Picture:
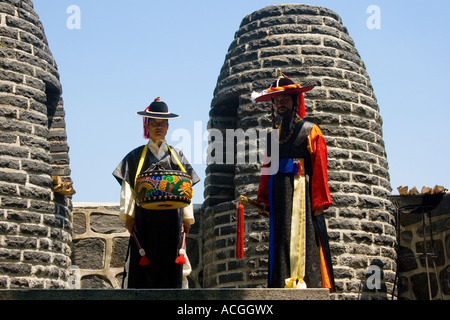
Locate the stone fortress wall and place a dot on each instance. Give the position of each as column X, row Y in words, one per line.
column 47, row 242
column 100, row 243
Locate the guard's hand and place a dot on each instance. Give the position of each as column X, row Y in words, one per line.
column 318, row 211
column 185, row 227
column 130, row 224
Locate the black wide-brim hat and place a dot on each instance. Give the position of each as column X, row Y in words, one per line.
column 157, row 110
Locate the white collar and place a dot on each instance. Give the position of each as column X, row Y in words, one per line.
column 158, row 151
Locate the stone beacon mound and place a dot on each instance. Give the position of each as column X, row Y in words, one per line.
column 312, row 46
column 35, row 183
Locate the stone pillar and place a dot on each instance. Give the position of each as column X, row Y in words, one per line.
column 312, row 46
column 35, row 221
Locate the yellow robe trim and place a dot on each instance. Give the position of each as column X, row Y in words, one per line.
column 141, row 163
column 298, row 233
column 142, row 159
column 176, row 159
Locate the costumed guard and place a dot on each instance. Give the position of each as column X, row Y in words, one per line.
column 155, row 205
column 296, row 195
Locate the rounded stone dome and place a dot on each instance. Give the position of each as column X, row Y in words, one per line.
column 35, row 191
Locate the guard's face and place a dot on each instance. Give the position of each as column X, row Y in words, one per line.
column 157, row 128
column 283, row 104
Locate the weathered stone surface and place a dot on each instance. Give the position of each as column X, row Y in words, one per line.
column 119, row 251
column 31, row 120
column 105, row 223
column 168, row 294
column 95, row 282
column 89, row 253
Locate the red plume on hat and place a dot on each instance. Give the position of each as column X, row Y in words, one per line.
column 283, row 85
column 145, row 120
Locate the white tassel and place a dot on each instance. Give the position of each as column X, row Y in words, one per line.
column 255, row 95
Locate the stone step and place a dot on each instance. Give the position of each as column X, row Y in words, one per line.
column 165, row 294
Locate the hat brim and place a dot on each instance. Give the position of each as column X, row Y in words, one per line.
column 157, row 115
column 267, row 96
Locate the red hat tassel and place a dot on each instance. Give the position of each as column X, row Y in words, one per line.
column 301, row 107
column 182, row 258
column 240, row 232
column 144, row 261
column 146, row 133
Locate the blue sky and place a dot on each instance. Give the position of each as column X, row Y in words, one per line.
column 126, row 53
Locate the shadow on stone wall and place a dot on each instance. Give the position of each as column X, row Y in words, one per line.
column 424, row 251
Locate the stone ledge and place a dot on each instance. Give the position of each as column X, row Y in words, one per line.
column 95, row 204
column 165, row 294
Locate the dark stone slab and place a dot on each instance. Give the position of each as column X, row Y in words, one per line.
column 166, row 294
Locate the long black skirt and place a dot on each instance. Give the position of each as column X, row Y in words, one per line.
column 159, row 233
column 282, row 217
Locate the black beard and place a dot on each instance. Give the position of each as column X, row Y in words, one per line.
column 285, row 127
column 285, row 114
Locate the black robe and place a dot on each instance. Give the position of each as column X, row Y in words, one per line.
column 282, row 196
column 158, row 231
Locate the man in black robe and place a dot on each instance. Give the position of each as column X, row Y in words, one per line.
column 297, row 194
column 158, row 232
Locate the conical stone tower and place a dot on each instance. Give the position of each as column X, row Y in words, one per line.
column 35, row 211
column 312, row 46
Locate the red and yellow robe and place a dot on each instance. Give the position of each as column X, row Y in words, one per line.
column 298, row 251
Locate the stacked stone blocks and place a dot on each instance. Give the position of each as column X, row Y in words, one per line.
column 99, row 245
column 35, row 222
